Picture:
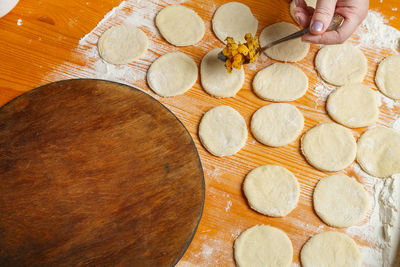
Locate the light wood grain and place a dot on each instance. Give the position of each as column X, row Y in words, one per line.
column 44, row 49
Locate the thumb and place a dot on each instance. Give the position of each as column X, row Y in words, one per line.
column 322, row 16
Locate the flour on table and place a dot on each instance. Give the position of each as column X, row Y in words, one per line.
column 382, row 230
column 375, row 33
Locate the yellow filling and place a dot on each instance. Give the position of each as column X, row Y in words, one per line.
column 238, row 54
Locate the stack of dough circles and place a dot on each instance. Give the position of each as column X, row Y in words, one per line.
column 388, row 77
column 172, row 74
column 291, row 51
column 223, row 131
column 341, row 64
column 234, row 19
column 354, row 106
column 180, row 26
column 271, row 190
column 330, row 249
column 340, row 201
column 280, row 82
column 277, row 124
column 122, row 44
column 310, row 3
column 378, row 152
column 263, row 245
column 329, row 147
column 216, row 80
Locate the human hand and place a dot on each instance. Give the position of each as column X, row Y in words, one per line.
column 354, row 12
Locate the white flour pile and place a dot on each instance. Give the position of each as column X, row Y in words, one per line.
column 375, row 33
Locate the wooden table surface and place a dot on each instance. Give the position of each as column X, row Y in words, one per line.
column 40, row 42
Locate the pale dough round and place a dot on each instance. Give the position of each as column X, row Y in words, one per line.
column 340, row 201
column 263, row 245
column 234, row 19
column 216, row 80
column 353, row 106
column 330, row 249
column 277, row 124
column 291, row 51
column 310, row 3
column 122, row 44
column 341, row 64
column 180, row 26
column 271, row 190
column 172, row 74
column 388, row 76
column 379, row 152
column 329, row 147
column 280, row 82
column 223, row 131
column 6, row 6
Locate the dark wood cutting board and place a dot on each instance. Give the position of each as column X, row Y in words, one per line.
column 95, row 173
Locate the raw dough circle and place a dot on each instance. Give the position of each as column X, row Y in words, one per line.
column 341, row 64
column 329, row 147
column 271, row 190
column 379, row 152
column 122, row 44
column 172, row 74
column 388, row 76
column 277, row 124
column 330, row 249
column 216, row 80
column 223, row 131
column 7, row 6
column 340, row 201
column 180, row 26
column 292, row 51
column 310, row 3
column 280, row 82
column 234, row 19
column 263, row 245
column 353, row 106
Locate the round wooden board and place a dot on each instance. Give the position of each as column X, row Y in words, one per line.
column 95, row 172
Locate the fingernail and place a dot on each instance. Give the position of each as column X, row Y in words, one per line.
column 296, row 2
column 317, row 26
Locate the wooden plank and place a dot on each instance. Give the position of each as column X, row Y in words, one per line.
column 39, row 51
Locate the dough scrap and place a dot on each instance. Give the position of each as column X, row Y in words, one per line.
column 353, row 106
column 280, row 82
column 340, row 201
column 216, row 80
column 329, row 147
column 223, row 131
column 330, row 249
column 122, row 44
column 277, row 124
column 172, row 74
column 388, row 77
column 341, row 64
column 180, row 26
column 379, row 152
column 271, row 190
column 289, row 51
column 310, row 3
column 234, row 19
column 263, row 245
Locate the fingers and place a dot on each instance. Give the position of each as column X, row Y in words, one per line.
column 302, row 17
column 322, row 16
column 335, row 37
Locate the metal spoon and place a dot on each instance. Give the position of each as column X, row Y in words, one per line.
column 335, row 24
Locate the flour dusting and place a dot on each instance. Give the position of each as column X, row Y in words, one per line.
column 374, row 32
